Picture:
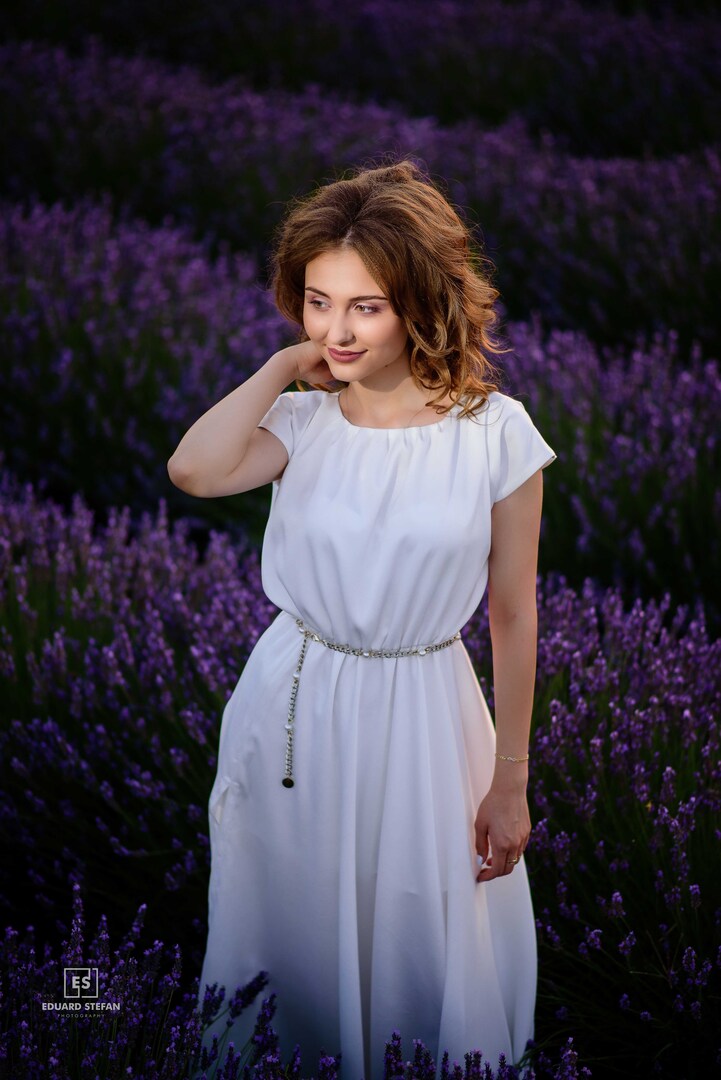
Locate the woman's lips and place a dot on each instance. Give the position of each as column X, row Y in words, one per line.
column 344, row 357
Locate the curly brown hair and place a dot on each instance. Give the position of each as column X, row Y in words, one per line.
column 418, row 249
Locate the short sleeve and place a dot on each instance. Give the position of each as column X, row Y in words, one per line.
column 279, row 420
column 289, row 415
column 521, row 449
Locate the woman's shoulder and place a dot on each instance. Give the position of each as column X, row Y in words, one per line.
column 290, row 415
column 516, row 447
column 497, row 407
column 305, row 401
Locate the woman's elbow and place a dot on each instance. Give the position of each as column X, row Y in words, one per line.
column 179, row 476
column 513, row 609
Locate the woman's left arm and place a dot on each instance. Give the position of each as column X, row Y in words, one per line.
column 503, row 819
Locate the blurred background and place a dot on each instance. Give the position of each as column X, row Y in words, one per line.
column 149, row 152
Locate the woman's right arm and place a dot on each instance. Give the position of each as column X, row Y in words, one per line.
column 225, row 452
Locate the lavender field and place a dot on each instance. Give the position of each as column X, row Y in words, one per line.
column 148, row 157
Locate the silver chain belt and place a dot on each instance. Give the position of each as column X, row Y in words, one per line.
column 311, row 635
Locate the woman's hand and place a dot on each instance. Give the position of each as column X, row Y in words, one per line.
column 504, row 823
column 305, row 362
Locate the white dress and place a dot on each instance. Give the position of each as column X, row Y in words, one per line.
column 355, row 889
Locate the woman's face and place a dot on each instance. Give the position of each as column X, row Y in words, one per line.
column 347, row 315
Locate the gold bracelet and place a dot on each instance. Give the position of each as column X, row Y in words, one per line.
column 504, row 757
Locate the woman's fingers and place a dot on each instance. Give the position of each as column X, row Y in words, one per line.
column 494, row 867
column 499, row 844
column 499, row 866
column 511, row 860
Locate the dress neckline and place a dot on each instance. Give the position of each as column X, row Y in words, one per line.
column 411, row 427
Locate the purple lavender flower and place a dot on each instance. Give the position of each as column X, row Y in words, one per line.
column 598, row 243
column 268, row 46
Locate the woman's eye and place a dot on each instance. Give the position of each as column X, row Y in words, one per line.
column 322, row 305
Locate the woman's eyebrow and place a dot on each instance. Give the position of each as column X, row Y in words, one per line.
column 353, row 299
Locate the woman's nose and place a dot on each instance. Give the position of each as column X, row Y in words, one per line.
column 339, row 332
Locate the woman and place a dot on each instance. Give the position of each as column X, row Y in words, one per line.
column 367, row 829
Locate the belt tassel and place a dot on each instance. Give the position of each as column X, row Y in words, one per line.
column 311, row 635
